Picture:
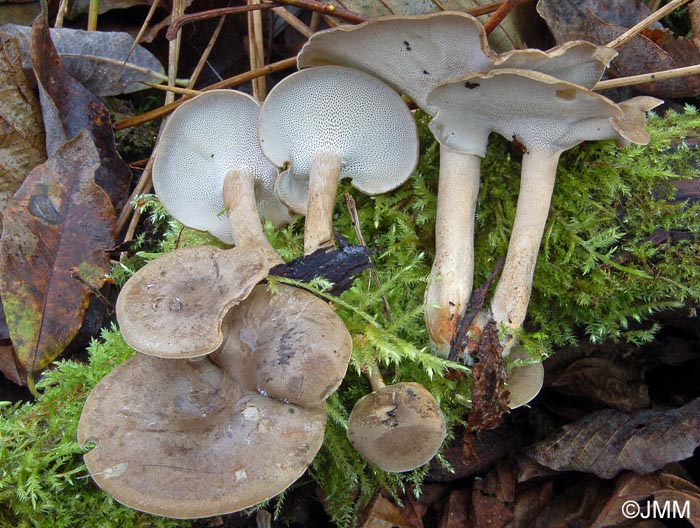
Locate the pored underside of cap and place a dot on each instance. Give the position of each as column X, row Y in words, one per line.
column 202, row 140
column 335, row 109
column 179, row 438
column 173, row 307
column 576, row 61
column 413, row 54
column 543, row 113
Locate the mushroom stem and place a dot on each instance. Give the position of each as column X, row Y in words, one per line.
column 323, row 185
column 512, row 294
column 239, row 199
column 453, row 268
column 374, row 376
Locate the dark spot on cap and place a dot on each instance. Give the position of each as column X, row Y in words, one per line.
column 470, row 85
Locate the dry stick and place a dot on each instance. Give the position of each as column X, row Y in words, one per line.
column 256, row 49
column 92, row 15
column 500, row 14
column 174, row 89
column 648, row 77
column 226, row 83
column 315, row 21
column 62, row 8
column 142, row 30
column 205, row 55
column 694, row 14
column 177, row 23
column 355, row 219
column 648, row 21
column 293, row 21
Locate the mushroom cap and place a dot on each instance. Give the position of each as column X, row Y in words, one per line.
column 413, row 54
column 397, row 428
column 178, row 438
column 189, row 439
column 524, row 381
column 543, row 113
column 202, row 140
column 576, row 61
column 174, row 306
column 337, row 110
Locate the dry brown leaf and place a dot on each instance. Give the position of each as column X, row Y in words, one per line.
column 608, row 442
column 21, row 129
column 604, row 381
column 96, row 58
column 651, row 493
column 52, row 253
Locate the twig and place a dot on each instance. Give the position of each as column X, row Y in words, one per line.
column 174, row 89
column 207, row 51
column 143, row 186
column 142, row 31
column 226, row 83
column 92, row 15
column 256, row 49
column 500, row 14
column 648, row 21
column 62, row 9
column 461, row 338
column 293, row 21
column 355, row 219
column 648, row 77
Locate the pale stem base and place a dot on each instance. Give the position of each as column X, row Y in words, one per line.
column 323, row 185
column 512, row 294
column 239, row 199
column 452, row 274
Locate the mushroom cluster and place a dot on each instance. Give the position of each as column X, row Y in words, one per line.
column 541, row 99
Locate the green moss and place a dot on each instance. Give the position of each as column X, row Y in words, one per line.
column 599, row 277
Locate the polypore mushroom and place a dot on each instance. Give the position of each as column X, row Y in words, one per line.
column 174, row 306
column 396, row 427
column 547, row 116
column 414, row 54
column 202, row 140
column 188, row 439
column 329, row 123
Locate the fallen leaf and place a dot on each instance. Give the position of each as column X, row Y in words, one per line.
column 21, row 130
column 69, row 108
column 52, row 253
column 601, row 21
column 608, row 442
column 652, row 494
column 8, row 360
column 604, row 381
column 456, row 511
column 532, row 505
column 382, row 513
column 96, row 58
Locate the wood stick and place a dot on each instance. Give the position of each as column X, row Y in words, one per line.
column 648, row 21
column 648, row 77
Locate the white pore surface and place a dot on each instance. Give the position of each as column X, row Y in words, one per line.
column 335, row 109
column 203, row 139
column 412, row 55
column 541, row 112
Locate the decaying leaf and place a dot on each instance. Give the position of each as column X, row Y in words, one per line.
column 68, row 108
column 665, row 490
column 381, row 512
column 52, row 252
column 654, row 50
column 21, row 130
column 608, row 442
column 604, row 381
column 96, row 58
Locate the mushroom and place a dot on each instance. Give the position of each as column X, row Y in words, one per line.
column 547, row 116
column 396, row 427
column 202, row 140
column 525, row 378
column 174, row 306
column 414, row 54
column 329, row 123
column 196, row 438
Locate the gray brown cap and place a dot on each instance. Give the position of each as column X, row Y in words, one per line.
column 188, row 439
column 398, row 427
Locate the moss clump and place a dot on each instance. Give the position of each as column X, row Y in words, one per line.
column 603, row 271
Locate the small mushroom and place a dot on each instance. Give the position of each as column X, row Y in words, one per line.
column 414, row 54
column 328, row 123
column 202, row 140
column 547, row 116
column 396, row 427
column 174, row 306
column 197, row 438
column 525, row 378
